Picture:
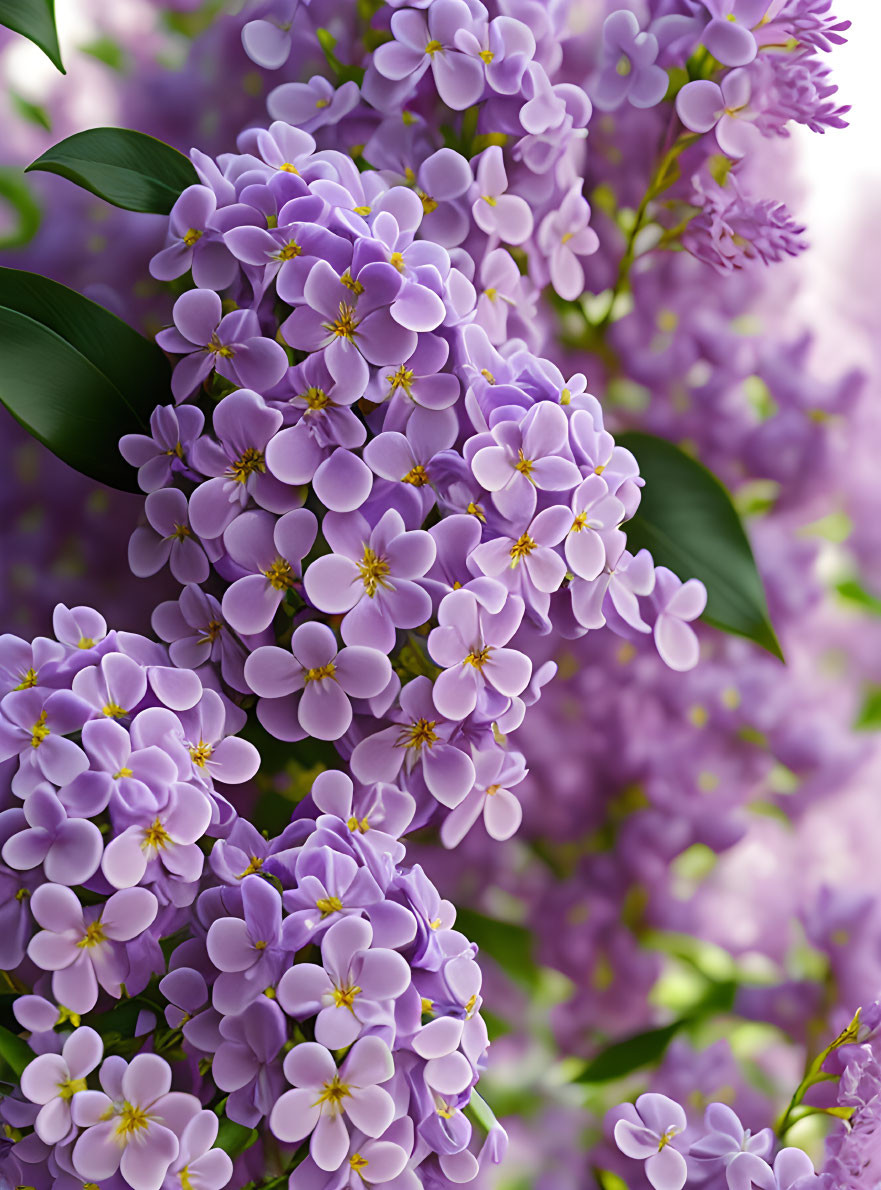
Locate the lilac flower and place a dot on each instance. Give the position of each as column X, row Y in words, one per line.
column 494, row 771
column 630, row 72
column 420, row 42
column 731, row 230
column 114, row 687
column 563, row 236
column 167, row 538
column 442, row 180
column 268, row 41
column 370, row 1162
column 325, row 1096
column 271, row 552
column 128, row 1126
column 703, row 105
column 409, row 458
column 499, row 214
column 52, row 1080
column 83, row 947
column 529, row 563
column 417, row 737
column 503, row 291
column 245, row 1062
column 166, row 841
column 676, row 604
column 231, row 343
column 314, row 104
column 505, row 46
column 423, row 266
column 349, row 319
column 469, row 645
column 419, row 389
column 194, row 244
column 792, row 1170
column 36, row 723
column 595, row 513
column 165, row 451
column 306, row 691
column 615, row 590
column 69, row 849
column 649, row 1132
column 197, row 1161
column 247, row 950
column 132, row 777
column 243, row 425
column 370, row 576
column 729, row 36
column 280, row 147
column 518, row 458
column 353, row 990
column 197, row 634
column 726, row 1140
column 212, row 751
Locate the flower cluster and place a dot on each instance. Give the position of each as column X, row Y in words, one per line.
column 312, row 959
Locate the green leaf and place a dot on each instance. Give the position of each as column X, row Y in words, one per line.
column 126, row 168
column 508, row 944
column 623, row 1057
column 234, row 1138
column 14, row 1051
column 35, row 20
column 687, row 520
column 75, row 376
column 16, row 194
column 869, row 717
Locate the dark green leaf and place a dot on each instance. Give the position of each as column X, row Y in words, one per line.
column 852, row 591
column 623, row 1057
column 14, row 1051
column 15, row 193
column 35, row 20
column 75, row 376
column 124, row 167
column 508, row 944
column 688, row 522
column 869, row 717
column 234, row 1138
column 32, row 112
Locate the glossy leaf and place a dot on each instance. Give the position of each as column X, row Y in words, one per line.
column 126, row 168
column 35, row 20
column 75, row 376
column 508, row 944
column 686, row 519
column 14, row 1051
column 623, row 1057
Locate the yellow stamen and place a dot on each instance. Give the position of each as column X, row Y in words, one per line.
column 346, row 325
column 417, row 476
column 374, row 571
column 491, row 293
column 123, row 772
column 316, row 399
column 522, row 548
column 70, row 1086
column 250, row 461
column 93, row 936
column 322, row 672
column 347, row 279
column 333, row 1095
column 429, row 204
column 328, row 905
column 523, row 465
column 470, row 1006
column 475, row 510
column 397, row 259
column 489, row 200
column 215, row 347
column 201, row 754
column 478, row 658
column 417, row 735
column 403, row 378
column 132, row 1120
column 28, row 680
column 487, row 56
column 345, row 997
column 358, row 1163
column 287, row 168
column 253, row 867
column 39, row 731
column 114, row 711
column 155, row 836
column 86, row 642
column 181, row 532
column 192, row 237
column 579, row 523
column 358, row 824
column 210, row 632
column 487, row 375
column 66, row 1015
column 434, row 47
column 279, row 575
column 362, row 211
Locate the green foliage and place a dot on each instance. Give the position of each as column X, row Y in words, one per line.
column 35, row 20
column 687, row 520
column 15, row 1052
column 126, row 168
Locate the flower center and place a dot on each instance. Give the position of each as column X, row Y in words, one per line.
column 287, row 168
column 28, row 680
column 69, row 1087
column 475, row 510
column 403, row 378
column 523, row 465
column 623, row 66
column 333, row 1094
column 358, row 1163
column 667, row 1136
column 347, row 279
column 132, row 1120
column 486, row 56
column 579, row 523
column 487, row 375
column 181, row 532
column 478, row 658
column 192, row 237
column 434, row 47
column 491, row 293
column 86, row 642
column 93, row 936
column 123, row 772
column 316, row 398
column 522, row 548
column 358, row 824
column 211, row 632
column 345, row 997
column 155, row 836
column 250, row 461
column 39, row 731
column 328, row 905
column 345, row 326
column 374, row 571
column 417, row 475
column 215, row 347
column 290, row 251
column 114, row 711
column 429, row 204
column 320, row 672
column 397, row 259
column 253, row 867
column 419, row 734
column 201, row 754
column 489, row 199
column 279, row 575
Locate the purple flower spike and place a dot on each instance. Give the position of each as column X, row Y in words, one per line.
column 677, row 603
column 469, row 645
column 420, row 43
column 82, row 947
column 164, row 453
column 194, row 244
column 370, row 577
column 516, row 459
column 325, row 1096
column 272, row 552
column 630, row 72
column 650, row 1132
column 232, row 344
column 306, row 691
column 354, row 990
column 703, row 105
column 53, row 1080
column 168, row 538
column 506, row 216
column 68, row 848
column 130, row 1127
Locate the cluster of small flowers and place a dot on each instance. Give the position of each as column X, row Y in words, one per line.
column 400, row 411
column 272, row 962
